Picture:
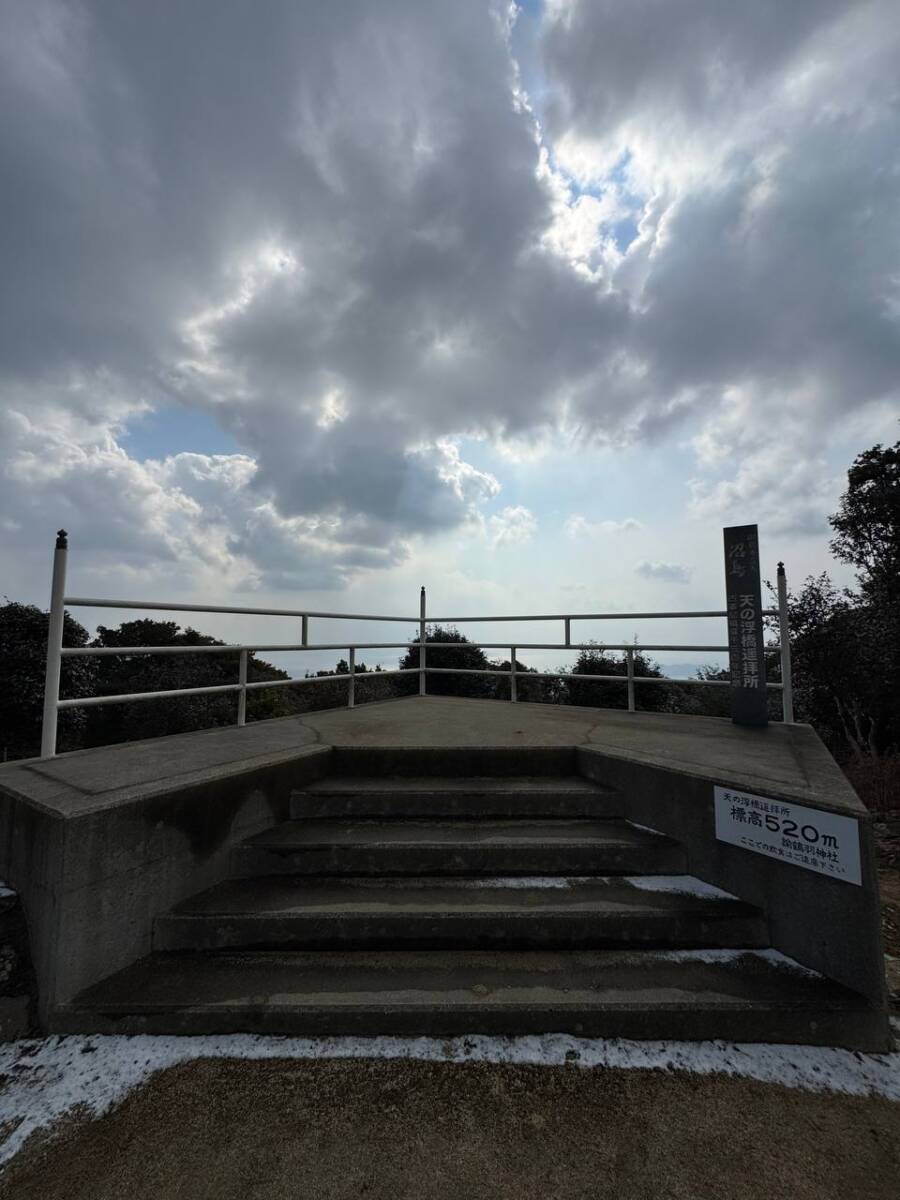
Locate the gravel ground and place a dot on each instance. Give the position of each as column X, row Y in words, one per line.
column 403, row 1129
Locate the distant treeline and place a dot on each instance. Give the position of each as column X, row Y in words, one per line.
column 23, row 643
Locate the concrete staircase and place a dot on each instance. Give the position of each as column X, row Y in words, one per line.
column 405, row 897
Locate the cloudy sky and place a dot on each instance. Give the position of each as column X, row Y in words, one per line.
column 310, row 304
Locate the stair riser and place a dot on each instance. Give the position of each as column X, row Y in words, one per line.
column 476, row 860
column 453, row 760
column 430, row 932
column 680, row 1023
column 467, row 805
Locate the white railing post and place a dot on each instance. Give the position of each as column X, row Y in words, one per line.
column 422, row 642
column 351, row 688
column 784, row 638
column 54, row 646
column 629, row 661
column 242, row 694
column 513, row 690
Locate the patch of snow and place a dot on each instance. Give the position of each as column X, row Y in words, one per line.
column 523, row 881
column 48, row 1078
column 775, row 957
column 685, row 885
column 788, row 964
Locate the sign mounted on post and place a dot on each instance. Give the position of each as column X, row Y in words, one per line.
column 746, row 652
column 802, row 837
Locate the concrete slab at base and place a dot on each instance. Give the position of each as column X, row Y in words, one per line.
column 733, row 995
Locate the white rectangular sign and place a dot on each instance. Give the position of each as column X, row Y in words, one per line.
column 804, row 837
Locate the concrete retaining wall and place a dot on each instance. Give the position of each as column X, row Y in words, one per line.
column 92, row 883
column 826, row 924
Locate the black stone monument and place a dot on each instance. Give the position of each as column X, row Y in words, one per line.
column 746, row 651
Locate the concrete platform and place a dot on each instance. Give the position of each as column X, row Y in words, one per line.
column 102, row 843
column 787, row 759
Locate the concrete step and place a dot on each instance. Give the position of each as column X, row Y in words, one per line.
column 742, row 996
column 283, row 912
column 384, row 761
column 455, row 796
column 457, row 847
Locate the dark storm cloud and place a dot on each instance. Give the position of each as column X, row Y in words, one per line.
column 257, row 209
column 327, row 226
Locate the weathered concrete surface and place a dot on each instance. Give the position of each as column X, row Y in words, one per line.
column 522, row 846
column 101, row 841
column 789, row 757
column 14, row 1017
column 88, row 780
column 437, row 912
column 734, row 995
column 827, row 924
column 479, row 796
column 94, row 869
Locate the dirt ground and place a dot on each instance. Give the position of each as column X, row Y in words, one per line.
column 395, row 1130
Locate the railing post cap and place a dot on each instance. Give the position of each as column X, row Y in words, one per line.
column 781, row 568
column 62, row 540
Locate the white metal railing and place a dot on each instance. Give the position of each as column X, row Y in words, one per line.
column 56, row 651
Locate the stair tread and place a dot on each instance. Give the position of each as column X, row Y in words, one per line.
column 476, row 981
column 596, row 896
column 306, row 834
column 488, row 784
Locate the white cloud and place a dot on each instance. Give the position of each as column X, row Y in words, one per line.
column 512, row 526
column 576, row 526
column 173, row 520
column 758, row 148
column 360, row 260
column 665, row 571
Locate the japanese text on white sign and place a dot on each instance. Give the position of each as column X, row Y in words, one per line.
column 804, row 837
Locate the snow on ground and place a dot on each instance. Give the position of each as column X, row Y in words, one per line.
column 728, row 957
column 45, row 1079
column 518, row 881
column 686, row 885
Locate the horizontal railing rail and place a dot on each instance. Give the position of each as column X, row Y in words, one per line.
column 56, row 652
column 232, row 647
column 164, row 606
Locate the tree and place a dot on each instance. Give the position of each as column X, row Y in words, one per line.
column 23, row 659
column 531, row 685
column 461, row 655
column 596, row 660
column 867, row 524
column 709, row 701
column 372, row 684
column 128, row 673
column 841, row 670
